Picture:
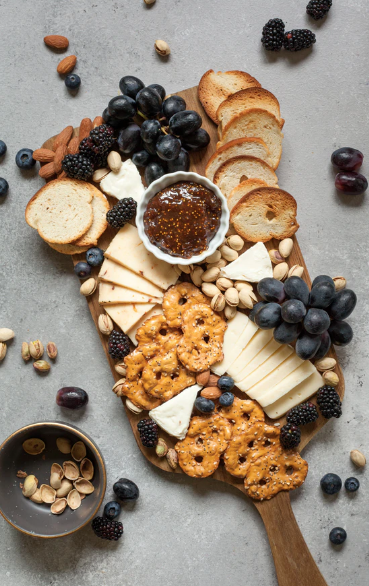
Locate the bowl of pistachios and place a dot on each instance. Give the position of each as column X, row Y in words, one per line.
column 52, row 479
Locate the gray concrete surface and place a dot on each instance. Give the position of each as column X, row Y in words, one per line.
column 181, row 531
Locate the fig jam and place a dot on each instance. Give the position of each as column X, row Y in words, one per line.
column 182, row 219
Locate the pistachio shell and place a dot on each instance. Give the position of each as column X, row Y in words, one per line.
column 78, row 451
column 223, row 283
column 210, row 275
column 74, row 499
column 64, row 445
column 339, row 283
column 55, row 480
column 218, row 265
column 99, row 174
column 325, row 364
column 36, row 497
column 245, row 298
column 196, row 275
column 84, row 486
column 71, row 470
column 296, row 271
column 6, row 334
column 29, row 485
column 275, row 256
column 285, row 247
column 87, row 469
column 65, row 488
column 132, row 407
column 48, row 493
column 242, row 285
column 33, row 446
column 331, row 378
column 209, row 289
column 214, row 257
column 232, row 297
column 228, row 253
column 218, row 302
column 280, row 271
column 57, row 469
column 358, row 458
column 120, row 367
column 235, row 242
column 59, row 506
column 186, row 268
column 230, row 312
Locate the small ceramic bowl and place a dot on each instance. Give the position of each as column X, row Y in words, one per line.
column 35, row 519
column 160, row 184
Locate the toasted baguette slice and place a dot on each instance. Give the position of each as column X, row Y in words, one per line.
column 253, row 97
column 241, row 168
column 265, row 213
column 61, row 211
column 255, row 147
column 68, row 248
column 256, row 123
column 100, row 207
column 214, row 88
column 242, row 189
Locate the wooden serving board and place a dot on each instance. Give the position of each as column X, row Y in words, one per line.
column 293, row 561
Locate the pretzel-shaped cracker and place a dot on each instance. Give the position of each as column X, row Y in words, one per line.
column 178, row 299
column 254, row 442
column 155, row 330
column 278, row 470
column 241, row 413
column 203, row 334
column 164, row 376
column 207, row 438
column 133, row 387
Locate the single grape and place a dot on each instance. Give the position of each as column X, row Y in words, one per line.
column 150, row 130
column 173, row 105
column 316, row 321
column 152, row 172
column 351, row 183
column 322, row 279
column 271, row 290
column 307, row 345
column 159, row 89
column 347, row 159
column 340, row 332
column 181, row 163
column 111, row 120
column 322, row 294
column 130, row 85
column 148, row 102
column 185, row 122
column 168, row 147
column 129, row 138
column 325, row 344
column 268, row 316
column 296, row 288
column 197, row 140
column 71, row 398
column 293, row 311
column 150, row 148
column 141, row 158
column 287, row 333
column 343, row 304
column 122, row 107
column 256, row 308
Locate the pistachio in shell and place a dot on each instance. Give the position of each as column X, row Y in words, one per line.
column 78, row 451
column 33, row 446
column 29, row 486
column 70, row 470
column 48, row 493
column 36, row 497
column 59, row 506
column 84, row 486
column 74, row 499
column 87, row 469
column 65, row 488
column 64, row 445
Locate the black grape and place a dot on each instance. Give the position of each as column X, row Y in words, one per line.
column 343, row 304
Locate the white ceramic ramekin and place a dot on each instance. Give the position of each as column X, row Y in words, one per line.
column 160, row 184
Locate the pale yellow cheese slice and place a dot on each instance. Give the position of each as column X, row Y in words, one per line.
column 239, row 332
column 112, row 272
column 255, row 345
column 131, row 333
column 287, row 384
column 264, row 369
column 127, row 249
column 297, row 395
column 259, row 359
column 127, row 315
column 110, row 294
column 275, row 377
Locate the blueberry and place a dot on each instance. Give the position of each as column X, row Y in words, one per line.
column 337, row 536
column 225, row 383
column 331, row 483
column 2, row 148
column 24, row 159
column 226, row 399
column 126, row 490
column 204, row 405
column 4, row 186
column 352, row 484
column 72, row 81
column 111, row 510
column 95, row 256
column 82, row 270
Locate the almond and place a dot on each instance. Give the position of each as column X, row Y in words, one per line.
column 203, row 377
column 84, row 128
column 67, row 64
column 63, row 137
column 62, row 175
column 47, row 171
column 56, row 41
column 98, row 121
column 213, row 380
column 59, row 156
column 211, row 393
column 73, row 145
column 43, row 155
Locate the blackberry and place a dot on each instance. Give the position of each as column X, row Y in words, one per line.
column 273, row 35
column 317, row 9
column 329, row 402
column 78, row 167
column 298, row 39
column 122, row 212
column 290, row 436
column 106, row 529
column 103, row 137
column 149, row 432
column 118, row 345
column 89, row 149
column 303, row 414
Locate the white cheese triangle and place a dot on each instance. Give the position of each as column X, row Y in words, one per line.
column 126, row 183
column 253, row 265
column 174, row 415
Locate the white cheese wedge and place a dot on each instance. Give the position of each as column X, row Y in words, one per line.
column 128, row 250
column 112, row 272
column 126, row 183
column 287, row 384
column 174, row 416
column 265, row 368
column 240, row 330
column 253, row 265
column 131, row 333
column 275, row 377
column 128, row 314
column 110, row 294
column 255, row 345
column 298, row 395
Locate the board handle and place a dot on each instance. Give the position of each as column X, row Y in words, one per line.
column 293, row 561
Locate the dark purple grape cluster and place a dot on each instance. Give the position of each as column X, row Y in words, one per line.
column 168, row 131
column 313, row 319
column 348, row 180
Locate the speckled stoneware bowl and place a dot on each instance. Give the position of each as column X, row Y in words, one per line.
column 160, row 184
column 34, row 519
